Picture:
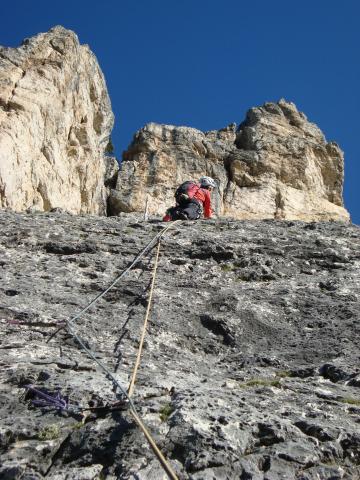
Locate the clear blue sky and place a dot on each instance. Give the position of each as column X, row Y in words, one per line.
column 204, row 63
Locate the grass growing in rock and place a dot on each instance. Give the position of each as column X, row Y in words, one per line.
column 50, row 432
column 77, row 425
column 227, row 267
column 261, row 382
column 350, row 401
column 166, row 411
column 243, row 278
column 283, row 374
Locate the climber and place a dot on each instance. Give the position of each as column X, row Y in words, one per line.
column 191, row 200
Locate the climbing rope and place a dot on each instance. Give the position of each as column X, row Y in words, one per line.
column 149, row 438
column 69, row 324
column 117, row 279
column 137, row 363
column 166, row 466
column 164, row 463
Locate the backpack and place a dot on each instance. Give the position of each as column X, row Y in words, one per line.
column 182, row 192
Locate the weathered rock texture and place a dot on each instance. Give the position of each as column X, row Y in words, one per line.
column 251, row 362
column 55, row 121
column 276, row 165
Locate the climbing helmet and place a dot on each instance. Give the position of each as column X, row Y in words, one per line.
column 207, row 182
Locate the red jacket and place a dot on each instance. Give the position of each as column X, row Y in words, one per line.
column 203, row 196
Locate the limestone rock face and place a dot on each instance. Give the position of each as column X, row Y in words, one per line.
column 250, row 367
column 275, row 165
column 55, row 121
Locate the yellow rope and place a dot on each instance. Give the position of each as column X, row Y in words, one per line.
column 138, row 358
column 164, row 463
column 69, row 324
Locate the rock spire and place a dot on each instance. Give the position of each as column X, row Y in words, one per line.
column 55, row 122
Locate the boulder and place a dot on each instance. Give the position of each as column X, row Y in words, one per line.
column 55, row 122
column 275, row 165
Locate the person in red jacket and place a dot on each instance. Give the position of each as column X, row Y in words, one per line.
column 192, row 199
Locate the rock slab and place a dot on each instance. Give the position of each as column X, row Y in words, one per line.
column 55, row 122
column 251, row 362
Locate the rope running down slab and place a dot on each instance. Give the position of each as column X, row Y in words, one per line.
column 137, row 363
column 117, row 279
column 133, row 411
column 161, row 458
column 70, row 324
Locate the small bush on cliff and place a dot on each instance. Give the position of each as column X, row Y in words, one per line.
column 166, row 411
column 261, row 382
column 350, row 401
column 50, row 432
column 109, row 150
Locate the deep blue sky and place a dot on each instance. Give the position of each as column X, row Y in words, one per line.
column 204, row 63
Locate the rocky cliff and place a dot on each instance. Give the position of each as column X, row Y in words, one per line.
column 251, row 363
column 275, row 165
column 55, row 121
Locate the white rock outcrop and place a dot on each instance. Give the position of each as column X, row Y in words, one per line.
column 275, row 165
column 55, row 122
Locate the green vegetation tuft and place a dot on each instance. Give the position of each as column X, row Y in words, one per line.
column 50, row 432
column 283, row 374
column 166, row 411
column 261, row 382
column 77, row 425
column 109, row 150
column 243, row 278
column 227, row 267
column 350, row 401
